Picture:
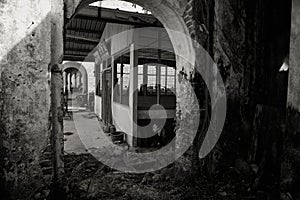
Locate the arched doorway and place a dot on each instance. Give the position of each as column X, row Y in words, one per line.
column 171, row 15
column 75, row 85
column 176, row 18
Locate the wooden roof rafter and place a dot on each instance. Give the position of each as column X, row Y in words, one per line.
column 84, row 30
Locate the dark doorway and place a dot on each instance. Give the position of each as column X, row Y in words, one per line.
column 107, row 87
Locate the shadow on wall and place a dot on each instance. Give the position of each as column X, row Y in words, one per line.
column 24, row 114
column 25, row 97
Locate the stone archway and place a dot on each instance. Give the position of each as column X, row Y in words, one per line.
column 81, row 70
column 176, row 16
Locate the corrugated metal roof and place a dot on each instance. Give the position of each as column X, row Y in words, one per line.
column 81, row 37
column 83, row 32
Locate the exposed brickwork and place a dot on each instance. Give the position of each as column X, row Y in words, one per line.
column 188, row 18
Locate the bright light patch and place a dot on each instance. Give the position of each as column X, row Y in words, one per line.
column 121, row 5
column 284, row 67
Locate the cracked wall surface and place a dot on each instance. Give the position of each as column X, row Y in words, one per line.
column 25, row 43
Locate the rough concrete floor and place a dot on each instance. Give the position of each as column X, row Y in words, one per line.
column 83, row 132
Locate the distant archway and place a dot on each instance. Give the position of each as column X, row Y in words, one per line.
column 82, row 71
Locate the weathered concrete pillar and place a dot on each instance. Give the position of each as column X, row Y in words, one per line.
column 291, row 158
column 57, row 135
column 57, row 26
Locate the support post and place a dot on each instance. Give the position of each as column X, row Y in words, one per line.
column 133, row 101
column 57, row 131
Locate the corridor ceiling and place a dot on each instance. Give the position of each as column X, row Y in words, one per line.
column 83, row 31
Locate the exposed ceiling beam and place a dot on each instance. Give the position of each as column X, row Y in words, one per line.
column 72, row 57
column 82, row 38
column 81, row 41
column 79, row 50
column 98, row 32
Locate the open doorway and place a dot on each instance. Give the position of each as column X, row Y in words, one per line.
column 90, row 39
column 132, row 76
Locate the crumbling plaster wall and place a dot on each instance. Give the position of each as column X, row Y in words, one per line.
column 27, row 46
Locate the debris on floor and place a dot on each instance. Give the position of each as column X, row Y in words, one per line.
column 89, row 179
